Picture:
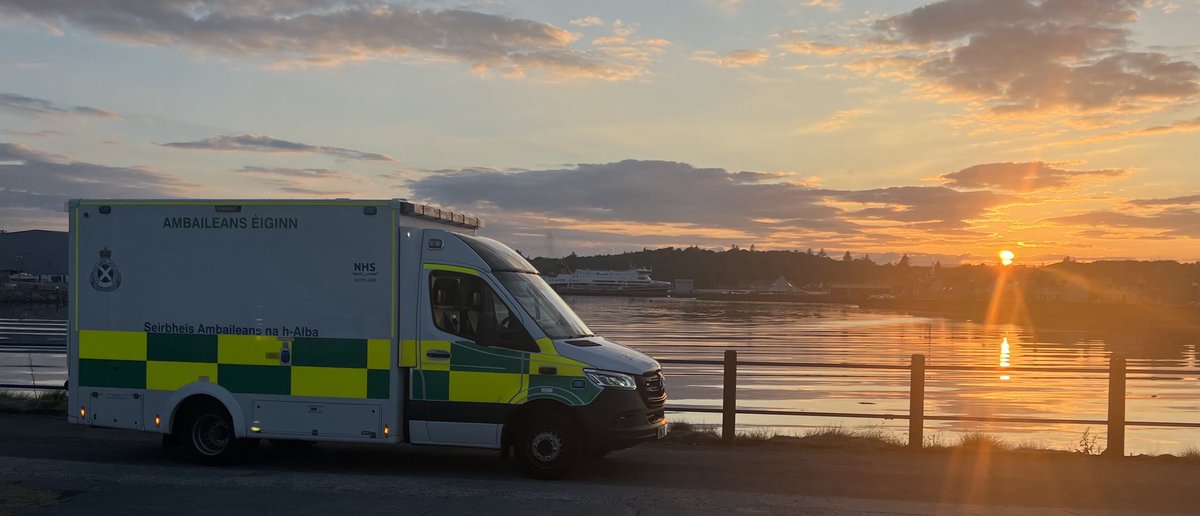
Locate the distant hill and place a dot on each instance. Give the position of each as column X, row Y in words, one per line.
column 35, row 251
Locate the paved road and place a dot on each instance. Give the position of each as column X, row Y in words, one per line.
column 33, row 335
column 32, row 351
column 79, row 470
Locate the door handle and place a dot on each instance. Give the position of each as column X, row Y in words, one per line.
column 437, row 354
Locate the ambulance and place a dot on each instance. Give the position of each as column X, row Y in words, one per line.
column 218, row 323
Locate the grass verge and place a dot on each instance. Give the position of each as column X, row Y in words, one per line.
column 16, row 496
column 49, row 402
column 876, row 439
column 829, row 437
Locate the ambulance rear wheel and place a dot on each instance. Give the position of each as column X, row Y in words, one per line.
column 549, row 444
column 210, row 436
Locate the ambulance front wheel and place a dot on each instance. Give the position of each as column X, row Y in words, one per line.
column 210, row 436
column 549, row 444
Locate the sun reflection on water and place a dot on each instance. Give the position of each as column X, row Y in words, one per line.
column 1004, row 357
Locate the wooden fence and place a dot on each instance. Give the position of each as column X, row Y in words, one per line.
column 916, row 416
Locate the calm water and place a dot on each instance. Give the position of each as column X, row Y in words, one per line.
column 690, row 329
column 681, row 328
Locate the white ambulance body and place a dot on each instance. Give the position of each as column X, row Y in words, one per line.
column 219, row 322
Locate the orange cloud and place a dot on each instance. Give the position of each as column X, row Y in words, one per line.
column 587, row 21
column 733, row 59
column 808, row 48
column 1181, row 126
column 1024, row 177
column 837, row 122
column 1018, row 62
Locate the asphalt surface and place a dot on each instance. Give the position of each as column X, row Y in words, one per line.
column 50, row 467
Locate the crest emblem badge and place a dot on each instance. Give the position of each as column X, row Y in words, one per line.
column 105, row 276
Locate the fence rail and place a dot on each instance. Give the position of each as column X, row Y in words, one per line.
column 916, row 416
column 33, row 387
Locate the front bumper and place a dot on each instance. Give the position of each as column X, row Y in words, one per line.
column 619, row 419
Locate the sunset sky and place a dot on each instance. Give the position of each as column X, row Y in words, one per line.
column 950, row 129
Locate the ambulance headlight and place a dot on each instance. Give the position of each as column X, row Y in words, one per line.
column 610, row 379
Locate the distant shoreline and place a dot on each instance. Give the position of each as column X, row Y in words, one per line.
column 1034, row 314
column 1052, row 314
column 1038, row 314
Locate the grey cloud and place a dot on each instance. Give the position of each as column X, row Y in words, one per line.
column 307, row 181
column 664, row 192
column 262, row 143
column 31, row 134
column 316, row 191
column 954, row 19
column 929, row 208
column 37, row 184
column 22, row 153
column 652, row 191
column 1021, row 56
column 315, row 173
column 757, row 177
column 41, row 107
column 329, row 32
column 1022, row 177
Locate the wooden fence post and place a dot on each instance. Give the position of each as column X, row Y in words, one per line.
column 916, row 403
column 729, row 401
column 1116, row 406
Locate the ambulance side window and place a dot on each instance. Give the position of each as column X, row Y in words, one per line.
column 466, row 306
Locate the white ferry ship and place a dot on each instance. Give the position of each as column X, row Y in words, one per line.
column 632, row 282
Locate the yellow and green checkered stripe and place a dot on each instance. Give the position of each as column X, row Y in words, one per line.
column 335, row 368
column 483, row 374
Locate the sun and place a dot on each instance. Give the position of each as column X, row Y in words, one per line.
column 1006, row 257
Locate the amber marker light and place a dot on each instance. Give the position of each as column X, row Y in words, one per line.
column 1007, row 257
column 157, row 420
column 386, row 432
column 82, row 412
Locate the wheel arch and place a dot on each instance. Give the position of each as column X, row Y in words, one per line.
column 194, row 393
column 535, row 406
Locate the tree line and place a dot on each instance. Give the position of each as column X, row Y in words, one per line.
column 1141, row 281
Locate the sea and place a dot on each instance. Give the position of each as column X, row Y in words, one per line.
column 689, row 329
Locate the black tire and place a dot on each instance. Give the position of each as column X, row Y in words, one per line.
column 549, row 445
column 210, row 437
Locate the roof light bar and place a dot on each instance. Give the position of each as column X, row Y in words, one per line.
column 426, row 211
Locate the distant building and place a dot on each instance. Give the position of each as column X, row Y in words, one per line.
column 35, row 252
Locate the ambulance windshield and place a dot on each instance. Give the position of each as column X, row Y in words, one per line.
column 542, row 303
column 498, row 256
